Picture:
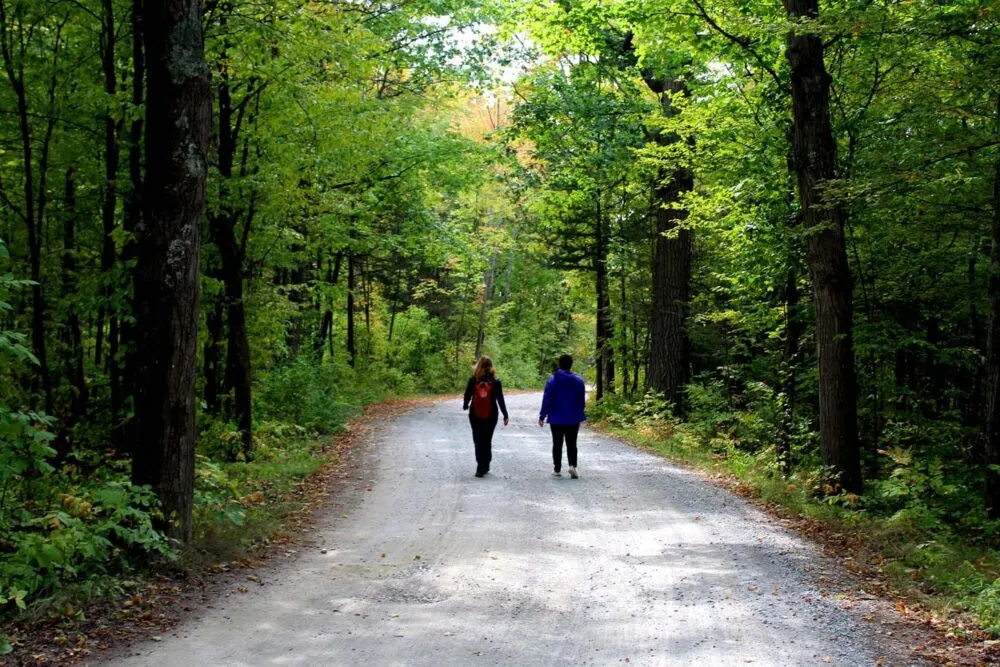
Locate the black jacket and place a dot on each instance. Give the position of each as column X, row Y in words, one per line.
column 497, row 393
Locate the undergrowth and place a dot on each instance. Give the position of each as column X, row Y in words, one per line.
column 75, row 529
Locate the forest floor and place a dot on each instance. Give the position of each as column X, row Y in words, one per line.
column 415, row 561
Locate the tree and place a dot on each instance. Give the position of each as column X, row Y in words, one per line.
column 833, row 285
column 582, row 127
column 669, row 360
column 178, row 124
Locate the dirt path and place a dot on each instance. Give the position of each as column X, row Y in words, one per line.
column 636, row 560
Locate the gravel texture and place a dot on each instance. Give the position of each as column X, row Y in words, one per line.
column 637, row 561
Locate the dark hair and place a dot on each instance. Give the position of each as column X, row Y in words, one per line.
column 565, row 362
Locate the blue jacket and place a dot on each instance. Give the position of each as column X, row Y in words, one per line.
column 564, row 399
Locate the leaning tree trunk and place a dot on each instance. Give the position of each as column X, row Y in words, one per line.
column 168, row 243
column 669, row 347
column 993, row 359
column 815, row 163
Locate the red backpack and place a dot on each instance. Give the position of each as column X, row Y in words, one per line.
column 482, row 399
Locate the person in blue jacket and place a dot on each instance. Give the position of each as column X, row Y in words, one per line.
column 563, row 405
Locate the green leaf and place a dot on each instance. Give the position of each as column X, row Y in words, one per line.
column 236, row 514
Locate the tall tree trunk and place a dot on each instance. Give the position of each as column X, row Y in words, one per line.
column 130, row 223
column 793, row 323
column 993, row 357
column 351, row 349
column 509, row 274
column 326, row 325
column 366, row 282
column 238, row 359
column 972, row 412
column 636, row 354
column 669, row 354
column 237, row 378
column 72, row 338
column 623, row 333
column 168, row 243
column 605, row 330
column 394, row 306
column 815, row 163
column 325, row 331
column 213, row 357
column 793, row 332
column 109, row 207
column 32, row 215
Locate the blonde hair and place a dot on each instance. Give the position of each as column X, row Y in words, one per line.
column 484, row 369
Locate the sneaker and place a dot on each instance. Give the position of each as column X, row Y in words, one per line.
column 573, row 473
column 556, row 473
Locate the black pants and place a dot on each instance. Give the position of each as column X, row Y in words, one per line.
column 482, row 436
column 569, row 433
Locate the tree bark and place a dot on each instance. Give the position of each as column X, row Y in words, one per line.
column 669, row 353
column 73, row 337
column 109, row 206
column 168, row 243
column 351, row 349
column 325, row 331
column 993, row 358
column 32, row 214
column 238, row 378
column 212, row 357
column 130, row 222
column 605, row 330
column 815, row 163
column 793, row 332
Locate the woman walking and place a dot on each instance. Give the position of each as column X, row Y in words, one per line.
column 484, row 394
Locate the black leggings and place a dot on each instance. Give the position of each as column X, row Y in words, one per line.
column 559, row 432
column 482, row 436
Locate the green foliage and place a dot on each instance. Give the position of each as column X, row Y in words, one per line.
column 84, row 532
column 320, row 399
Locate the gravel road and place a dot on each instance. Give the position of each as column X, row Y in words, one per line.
column 637, row 562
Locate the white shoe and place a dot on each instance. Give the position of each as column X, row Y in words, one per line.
column 573, row 473
column 557, row 474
